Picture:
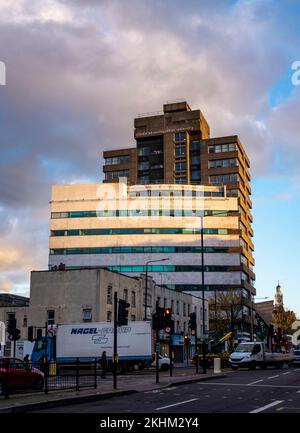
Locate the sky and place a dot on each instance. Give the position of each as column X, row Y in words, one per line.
column 79, row 71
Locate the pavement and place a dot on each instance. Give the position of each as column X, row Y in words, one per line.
column 243, row 391
column 137, row 382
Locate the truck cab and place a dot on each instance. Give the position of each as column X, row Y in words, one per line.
column 43, row 349
column 247, row 354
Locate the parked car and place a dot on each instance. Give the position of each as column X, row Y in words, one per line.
column 16, row 374
column 163, row 362
column 296, row 358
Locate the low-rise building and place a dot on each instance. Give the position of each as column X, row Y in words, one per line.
column 86, row 295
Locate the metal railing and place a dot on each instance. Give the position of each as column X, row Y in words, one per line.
column 19, row 376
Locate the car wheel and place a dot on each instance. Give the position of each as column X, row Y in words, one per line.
column 252, row 366
column 234, row 368
column 2, row 388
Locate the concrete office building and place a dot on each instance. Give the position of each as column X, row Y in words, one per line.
column 124, row 227
column 174, row 146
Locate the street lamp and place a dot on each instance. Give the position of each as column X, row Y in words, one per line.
column 146, row 283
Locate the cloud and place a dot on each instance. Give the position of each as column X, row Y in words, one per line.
column 78, row 73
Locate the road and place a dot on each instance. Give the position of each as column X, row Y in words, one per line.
column 259, row 391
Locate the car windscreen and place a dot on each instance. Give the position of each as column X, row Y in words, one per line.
column 244, row 348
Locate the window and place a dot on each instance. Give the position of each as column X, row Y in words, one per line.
column 180, row 151
column 195, row 174
column 25, row 322
column 114, row 175
column 133, row 299
column 133, row 317
column 195, row 160
column 144, row 151
column 188, row 309
column 158, row 301
column 10, row 316
column 109, row 316
column 172, row 306
column 179, row 136
column 184, row 309
column 145, row 165
column 177, row 307
column 165, row 302
column 219, row 179
column 109, row 295
column 180, row 166
column 87, row 314
column 51, row 317
column 122, row 159
column 227, row 147
column 217, row 163
column 126, row 295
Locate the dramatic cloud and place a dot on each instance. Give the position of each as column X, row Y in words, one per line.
column 79, row 71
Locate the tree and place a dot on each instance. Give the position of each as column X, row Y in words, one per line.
column 284, row 319
column 225, row 312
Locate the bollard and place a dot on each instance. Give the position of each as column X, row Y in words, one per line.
column 217, row 365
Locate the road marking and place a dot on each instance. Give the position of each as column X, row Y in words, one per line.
column 283, row 374
column 252, row 383
column 176, row 404
column 267, row 406
column 272, row 377
column 245, row 384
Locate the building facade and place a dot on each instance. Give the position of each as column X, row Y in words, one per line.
column 153, row 228
column 175, row 147
column 86, row 295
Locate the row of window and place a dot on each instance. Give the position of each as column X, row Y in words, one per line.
column 139, row 212
column 169, row 268
column 175, row 193
column 122, row 159
column 136, row 250
column 223, row 178
column 114, row 175
column 138, row 231
column 224, row 163
column 218, row 148
column 207, row 288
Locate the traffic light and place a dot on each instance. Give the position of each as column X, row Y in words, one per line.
column 30, row 333
column 17, row 334
column 11, row 325
column 193, row 323
column 186, row 340
column 158, row 319
column 123, row 313
column 168, row 322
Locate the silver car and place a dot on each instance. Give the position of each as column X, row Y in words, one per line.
column 296, row 358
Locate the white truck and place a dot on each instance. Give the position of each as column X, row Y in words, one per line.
column 87, row 341
column 253, row 353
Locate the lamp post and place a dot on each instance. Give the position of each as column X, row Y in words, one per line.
column 146, row 282
column 203, row 301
